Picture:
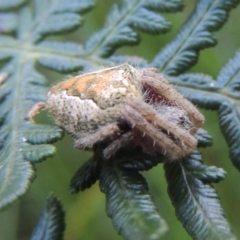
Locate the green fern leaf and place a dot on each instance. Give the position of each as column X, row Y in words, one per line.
column 11, row 4
column 23, row 142
column 60, row 47
column 136, row 159
column 58, row 23
column 60, row 17
column 57, row 57
column 196, row 87
column 129, row 204
column 74, row 6
column 51, row 224
column 229, row 123
column 89, row 172
column 194, row 80
column 204, row 139
column 182, row 53
column 37, row 153
column 196, row 203
column 143, row 163
column 86, row 175
column 15, row 174
column 228, row 85
column 17, row 129
column 132, row 60
column 40, row 133
column 224, row 97
column 121, row 21
column 165, row 6
column 228, row 77
column 149, row 22
column 8, row 22
column 62, row 64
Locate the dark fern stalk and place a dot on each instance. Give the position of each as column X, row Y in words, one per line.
column 26, row 41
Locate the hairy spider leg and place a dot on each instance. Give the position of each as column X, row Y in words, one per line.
column 145, row 117
column 138, row 120
column 152, row 116
column 101, row 134
column 113, row 147
column 157, row 81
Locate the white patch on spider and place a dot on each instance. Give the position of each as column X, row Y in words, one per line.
column 69, row 111
column 125, row 82
column 122, row 90
column 118, row 76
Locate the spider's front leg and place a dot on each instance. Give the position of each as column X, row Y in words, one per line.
column 172, row 140
column 108, row 131
column 88, row 140
column 163, row 88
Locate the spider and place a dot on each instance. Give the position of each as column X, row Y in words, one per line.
column 125, row 107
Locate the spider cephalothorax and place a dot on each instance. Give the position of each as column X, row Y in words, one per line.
column 125, row 107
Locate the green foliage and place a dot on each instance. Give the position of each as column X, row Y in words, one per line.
column 122, row 20
column 20, row 142
column 224, row 98
column 11, row 4
column 204, row 139
column 51, row 225
column 182, row 53
column 197, row 205
column 86, row 175
column 129, row 204
column 28, row 41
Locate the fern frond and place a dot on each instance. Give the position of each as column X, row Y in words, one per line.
column 137, row 160
column 204, row 139
column 51, row 225
column 228, row 85
column 86, row 175
column 41, row 133
column 22, row 141
column 123, row 19
column 11, row 4
column 200, row 89
column 165, row 6
column 143, row 163
column 221, row 94
column 78, row 6
column 182, row 53
column 62, row 64
column 196, row 202
column 8, row 22
column 60, row 17
column 56, row 25
column 129, row 204
column 135, row 61
column 229, row 123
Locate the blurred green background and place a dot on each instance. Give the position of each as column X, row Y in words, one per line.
column 85, row 212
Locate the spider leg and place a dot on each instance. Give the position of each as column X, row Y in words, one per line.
column 87, row 141
column 113, row 147
column 162, row 86
column 148, row 120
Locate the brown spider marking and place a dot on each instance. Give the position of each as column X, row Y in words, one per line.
column 125, row 107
